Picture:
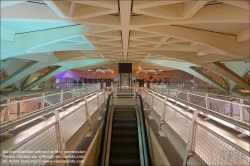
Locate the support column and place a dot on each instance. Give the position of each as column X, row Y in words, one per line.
column 88, row 119
column 191, row 139
column 59, row 133
column 44, row 77
column 162, row 118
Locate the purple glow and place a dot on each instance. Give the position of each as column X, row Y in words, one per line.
column 60, row 75
column 75, row 74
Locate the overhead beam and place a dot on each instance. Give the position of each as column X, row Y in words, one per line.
column 243, row 36
column 227, row 86
column 189, row 68
column 64, row 55
column 4, row 64
column 7, row 35
column 44, row 77
column 17, row 75
column 189, row 56
column 198, row 73
column 24, row 71
column 31, row 40
column 191, row 7
column 15, row 85
column 125, row 8
column 62, row 66
column 57, row 47
column 25, row 81
column 239, row 3
column 7, row 3
column 226, row 72
column 226, row 43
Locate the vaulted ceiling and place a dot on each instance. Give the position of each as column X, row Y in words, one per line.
column 151, row 34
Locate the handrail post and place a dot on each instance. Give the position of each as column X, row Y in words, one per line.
column 134, row 94
column 191, row 138
column 145, row 100
column 176, row 95
column 59, row 132
column 152, row 101
column 241, row 111
column 43, row 100
column 88, row 119
column 81, row 91
column 104, row 95
column 207, row 106
column 73, row 92
column 113, row 89
column 188, row 98
column 61, row 97
column 7, row 111
column 98, row 105
column 242, row 114
column 98, row 102
column 113, row 99
column 151, row 106
column 206, row 100
column 162, row 120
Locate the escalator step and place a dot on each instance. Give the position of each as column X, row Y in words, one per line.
column 124, row 140
column 120, row 118
column 125, row 149
column 124, row 109
column 126, row 132
column 124, row 125
column 124, row 114
column 124, row 160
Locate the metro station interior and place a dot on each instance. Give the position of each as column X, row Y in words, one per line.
column 125, row 82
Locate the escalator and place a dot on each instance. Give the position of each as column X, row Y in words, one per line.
column 124, row 148
column 124, row 138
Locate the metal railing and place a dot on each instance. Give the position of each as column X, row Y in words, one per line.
column 210, row 147
column 144, row 132
column 105, row 130
column 123, row 90
column 60, row 85
column 234, row 107
column 191, row 86
column 51, row 140
column 15, row 109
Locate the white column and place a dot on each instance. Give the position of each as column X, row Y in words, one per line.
column 88, row 119
column 7, row 111
column 61, row 98
column 191, row 139
column 59, row 133
column 162, row 118
column 43, row 100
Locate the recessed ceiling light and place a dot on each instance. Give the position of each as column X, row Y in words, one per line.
column 160, row 70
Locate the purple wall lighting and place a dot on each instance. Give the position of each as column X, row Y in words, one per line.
column 60, row 75
column 74, row 74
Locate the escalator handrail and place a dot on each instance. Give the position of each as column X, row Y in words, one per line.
column 104, row 133
column 145, row 134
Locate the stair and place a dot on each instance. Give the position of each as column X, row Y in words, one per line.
column 124, row 149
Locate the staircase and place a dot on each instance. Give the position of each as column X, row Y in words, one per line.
column 124, row 149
